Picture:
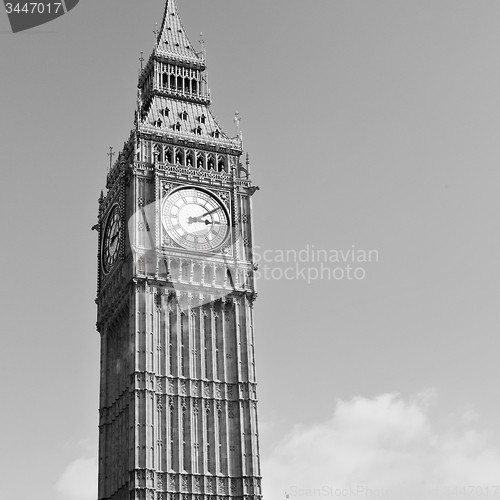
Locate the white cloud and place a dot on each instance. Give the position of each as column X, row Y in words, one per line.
column 79, row 480
column 384, row 444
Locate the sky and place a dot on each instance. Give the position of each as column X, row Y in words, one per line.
column 371, row 126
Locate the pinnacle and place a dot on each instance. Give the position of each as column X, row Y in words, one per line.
column 172, row 38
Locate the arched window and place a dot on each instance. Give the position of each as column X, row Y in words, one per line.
column 187, row 85
column 179, row 81
column 197, row 273
column 219, row 276
column 202, row 119
column 177, row 126
column 185, row 271
column 172, row 82
column 174, row 269
column 200, row 160
column 164, row 80
column 184, row 115
column 211, row 162
column 207, row 278
column 198, row 130
column 168, row 155
column 189, row 159
column 179, row 156
column 141, row 266
column 160, row 155
column 216, row 134
column 194, row 86
column 221, row 164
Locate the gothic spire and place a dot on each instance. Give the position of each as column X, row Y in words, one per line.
column 172, row 39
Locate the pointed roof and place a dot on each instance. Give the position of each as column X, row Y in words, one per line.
column 172, row 39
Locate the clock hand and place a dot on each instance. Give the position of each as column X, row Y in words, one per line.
column 212, row 222
column 211, row 212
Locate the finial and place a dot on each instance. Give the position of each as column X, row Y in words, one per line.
column 156, row 32
column 237, row 120
column 110, row 154
column 141, row 59
column 202, row 44
column 247, row 166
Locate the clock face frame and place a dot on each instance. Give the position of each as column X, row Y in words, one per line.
column 111, row 243
column 195, row 219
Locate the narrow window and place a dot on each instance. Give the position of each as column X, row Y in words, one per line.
column 168, row 155
column 211, row 163
column 179, row 157
column 221, row 164
column 199, row 160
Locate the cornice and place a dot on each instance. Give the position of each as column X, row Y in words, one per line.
column 232, row 146
column 169, row 57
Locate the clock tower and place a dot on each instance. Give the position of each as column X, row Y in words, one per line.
column 178, row 407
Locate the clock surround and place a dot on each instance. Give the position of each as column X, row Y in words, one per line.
column 195, row 219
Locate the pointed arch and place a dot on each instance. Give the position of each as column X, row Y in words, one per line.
column 211, row 162
column 190, row 159
column 221, row 163
column 208, row 275
column 179, row 156
column 200, row 160
column 169, row 155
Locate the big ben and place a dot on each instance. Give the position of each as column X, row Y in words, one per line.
column 178, row 405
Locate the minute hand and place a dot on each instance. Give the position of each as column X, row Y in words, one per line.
column 208, row 213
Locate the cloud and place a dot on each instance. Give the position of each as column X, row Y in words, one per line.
column 79, row 480
column 385, row 447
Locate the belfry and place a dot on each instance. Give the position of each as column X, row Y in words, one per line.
column 178, row 406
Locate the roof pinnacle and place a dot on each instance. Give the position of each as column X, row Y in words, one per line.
column 171, row 38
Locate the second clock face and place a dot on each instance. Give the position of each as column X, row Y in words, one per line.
column 195, row 219
column 111, row 245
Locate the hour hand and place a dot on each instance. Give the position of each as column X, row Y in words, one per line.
column 207, row 222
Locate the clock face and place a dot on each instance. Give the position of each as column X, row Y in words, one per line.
column 195, row 219
column 111, row 244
